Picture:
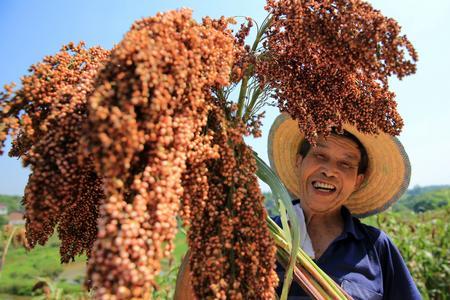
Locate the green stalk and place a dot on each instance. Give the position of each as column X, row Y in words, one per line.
column 256, row 93
column 249, row 71
column 310, row 286
column 301, row 272
column 284, row 222
column 322, row 277
column 243, row 91
column 300, row 277
column 266, row 174
column 5, row 250
column 313, row 270
column 330, row 287
column 310, row 283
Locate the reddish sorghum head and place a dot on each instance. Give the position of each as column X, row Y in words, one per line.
column 150, row 104
column 229, row 240
column 44, row 118
column 329, row 62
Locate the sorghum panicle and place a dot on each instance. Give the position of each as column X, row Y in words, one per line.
column 148, row 107
column 329, row 61
column 44, row 118
column 230, row 243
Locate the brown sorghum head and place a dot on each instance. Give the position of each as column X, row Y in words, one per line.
column 148, row 108
column 230, row 243
column 44, row 118
column 329, row 62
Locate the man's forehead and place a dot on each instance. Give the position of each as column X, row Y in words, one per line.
column 349, row 148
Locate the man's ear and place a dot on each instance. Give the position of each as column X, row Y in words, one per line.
column 359, row 181
column 298, row 162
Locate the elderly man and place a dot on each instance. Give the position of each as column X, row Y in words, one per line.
column 343, row 176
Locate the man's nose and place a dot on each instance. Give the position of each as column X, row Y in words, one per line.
column 328, row 170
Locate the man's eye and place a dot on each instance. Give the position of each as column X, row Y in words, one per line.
column 347, row 165
column 320, row 156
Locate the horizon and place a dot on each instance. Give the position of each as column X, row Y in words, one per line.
column 434, row 186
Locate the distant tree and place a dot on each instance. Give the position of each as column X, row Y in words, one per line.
column 12, row 202
column 416, row 190
column 3, row 221
column 430, row 200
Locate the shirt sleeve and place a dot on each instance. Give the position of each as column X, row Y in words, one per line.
column 397, row 280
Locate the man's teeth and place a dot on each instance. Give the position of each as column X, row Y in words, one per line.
column 322, row 185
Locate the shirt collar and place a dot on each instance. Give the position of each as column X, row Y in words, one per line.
column 349, row 224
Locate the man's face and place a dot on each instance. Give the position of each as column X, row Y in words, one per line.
column 329, row 174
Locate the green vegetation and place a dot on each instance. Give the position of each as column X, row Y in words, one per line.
column 421, row 199
column 424, row 242
column 167, row 277
column 3, row 220
column 12, row 202
column 23, row 269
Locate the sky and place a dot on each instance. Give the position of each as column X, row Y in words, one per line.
column 31, row 29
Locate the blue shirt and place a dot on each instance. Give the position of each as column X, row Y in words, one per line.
column 363, row 261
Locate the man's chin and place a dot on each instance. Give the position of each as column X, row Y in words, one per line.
column 323, row 205
column 322, row 210
column 322, row 197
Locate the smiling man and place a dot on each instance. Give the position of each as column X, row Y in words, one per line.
column 343, row 177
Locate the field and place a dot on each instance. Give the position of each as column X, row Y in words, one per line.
column 23, row 270
column 424, row 241
column 423, row 237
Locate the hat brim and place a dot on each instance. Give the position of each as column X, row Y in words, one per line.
column 386, row 179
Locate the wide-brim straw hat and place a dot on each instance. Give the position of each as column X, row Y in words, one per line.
column 386, row 178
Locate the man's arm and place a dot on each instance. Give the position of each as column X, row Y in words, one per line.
column 184, row 290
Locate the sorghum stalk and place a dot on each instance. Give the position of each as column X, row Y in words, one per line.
column 310, row 286
column 249, row 71
column 313, row 271
column 5, row 249
column 268, row 176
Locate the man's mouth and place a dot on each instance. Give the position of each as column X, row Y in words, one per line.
column 323, row 186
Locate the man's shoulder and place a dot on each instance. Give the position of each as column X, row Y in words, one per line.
column 375, row 235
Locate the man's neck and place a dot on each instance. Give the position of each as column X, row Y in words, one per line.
column 333, row 218
column 323, row 228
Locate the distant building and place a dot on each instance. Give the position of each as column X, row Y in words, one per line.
column 3, row 209
column 16, row 218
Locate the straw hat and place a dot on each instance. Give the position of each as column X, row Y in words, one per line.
column 386, row 179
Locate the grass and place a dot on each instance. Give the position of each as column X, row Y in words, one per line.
column 23, row 268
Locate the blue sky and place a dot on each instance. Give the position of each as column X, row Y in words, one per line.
column 31, row 29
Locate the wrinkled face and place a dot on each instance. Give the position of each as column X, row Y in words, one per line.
column 329, row 174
